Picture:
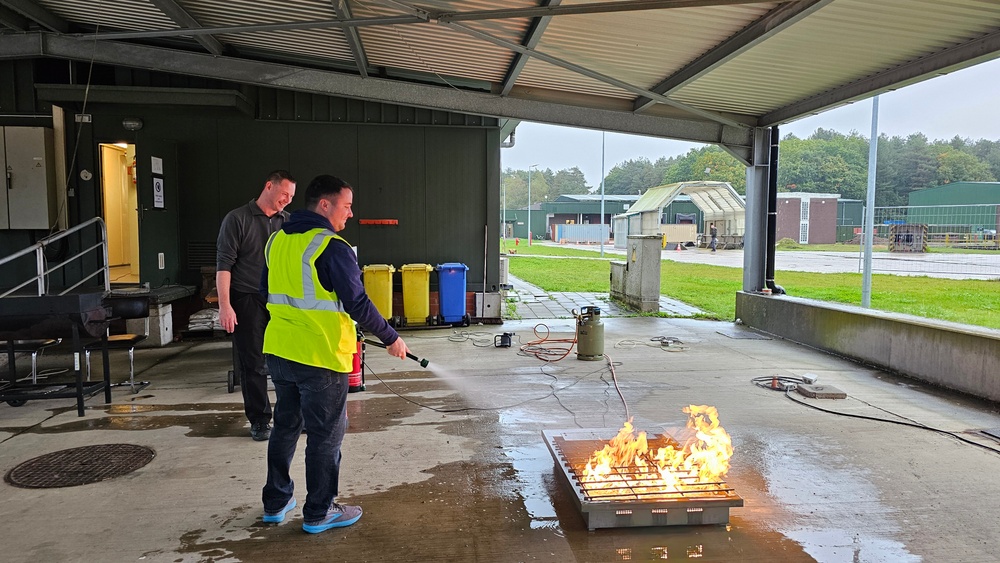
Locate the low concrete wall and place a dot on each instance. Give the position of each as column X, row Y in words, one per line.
column 951, row 355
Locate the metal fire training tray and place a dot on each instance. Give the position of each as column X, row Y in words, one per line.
column 633, row 506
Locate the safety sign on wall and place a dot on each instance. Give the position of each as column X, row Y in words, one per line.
column 157, row 192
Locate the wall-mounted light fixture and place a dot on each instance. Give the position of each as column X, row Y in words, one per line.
column 132, row 123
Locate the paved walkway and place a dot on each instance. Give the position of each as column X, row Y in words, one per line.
column 533, row 302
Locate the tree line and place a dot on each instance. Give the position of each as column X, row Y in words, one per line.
column 825, row 162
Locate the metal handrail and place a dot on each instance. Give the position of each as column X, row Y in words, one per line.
column 41, row 277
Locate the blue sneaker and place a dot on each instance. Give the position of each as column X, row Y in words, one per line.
column 279, row 516
column 339, row 516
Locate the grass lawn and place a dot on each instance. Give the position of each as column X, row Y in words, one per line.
column 713, row 288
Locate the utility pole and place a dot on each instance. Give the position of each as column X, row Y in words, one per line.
column 602, row 194
column 529, row 202
column 866, row 276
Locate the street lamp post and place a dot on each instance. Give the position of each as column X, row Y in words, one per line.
column 503, row 212
column 602, row 195
column 529, row 202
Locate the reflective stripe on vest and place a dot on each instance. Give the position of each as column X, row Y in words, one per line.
column 308, row 300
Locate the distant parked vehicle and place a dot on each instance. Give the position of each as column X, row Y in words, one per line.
column 987, row 234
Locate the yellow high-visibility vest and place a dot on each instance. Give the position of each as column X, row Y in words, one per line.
column 308, row 323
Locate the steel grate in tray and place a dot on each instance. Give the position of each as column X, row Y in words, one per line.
column 632, row 501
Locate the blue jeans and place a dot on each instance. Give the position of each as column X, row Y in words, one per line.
column 313, row 397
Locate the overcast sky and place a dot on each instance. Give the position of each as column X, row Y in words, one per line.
column 964, row 103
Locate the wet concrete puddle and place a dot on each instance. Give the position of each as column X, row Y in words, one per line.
column 506, row 503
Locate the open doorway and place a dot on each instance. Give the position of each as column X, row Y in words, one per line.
column 121, row 215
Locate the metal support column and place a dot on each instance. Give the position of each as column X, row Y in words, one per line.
column 755, row 234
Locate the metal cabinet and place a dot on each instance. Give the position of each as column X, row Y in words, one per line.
column 27, row 198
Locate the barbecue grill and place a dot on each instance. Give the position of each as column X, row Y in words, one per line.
column 635, row 496
column 54, row 316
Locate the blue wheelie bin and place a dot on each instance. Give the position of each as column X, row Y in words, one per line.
column 451, row 293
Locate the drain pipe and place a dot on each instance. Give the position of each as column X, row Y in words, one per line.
column 509, row 143
column 772, row 214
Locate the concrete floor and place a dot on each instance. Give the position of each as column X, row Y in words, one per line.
column 465, row 476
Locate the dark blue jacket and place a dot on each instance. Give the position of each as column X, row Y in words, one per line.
column 338, row 271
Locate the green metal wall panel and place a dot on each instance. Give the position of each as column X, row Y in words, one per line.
column 391, row 185
column 457, row 199
column 671, row 210
column 959, row 193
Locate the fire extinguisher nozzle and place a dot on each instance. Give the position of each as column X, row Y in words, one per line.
column 423, row 363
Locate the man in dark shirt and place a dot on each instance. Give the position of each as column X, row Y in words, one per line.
column 242, row 309
column 714, row 233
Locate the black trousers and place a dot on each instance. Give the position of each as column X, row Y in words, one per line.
column 248, row 345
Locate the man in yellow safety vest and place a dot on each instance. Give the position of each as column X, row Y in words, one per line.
column 314, row 295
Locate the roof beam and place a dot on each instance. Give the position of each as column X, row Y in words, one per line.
column 955, row 58
column 12, row 19
column 419, row 15
column 180, row 16
column 290, row 77
column 31, row 10
column 343, row 9
column 531, row 39
column 145, row 96
column 578, row 9
column 710, row 115
column 250, row 28
column 767, row 26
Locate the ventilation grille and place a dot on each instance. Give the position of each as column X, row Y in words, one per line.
column 200, row 254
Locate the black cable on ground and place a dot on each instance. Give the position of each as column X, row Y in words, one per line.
column 665, row 343
column 614, row 377
column 479, row 339
column 776, row 382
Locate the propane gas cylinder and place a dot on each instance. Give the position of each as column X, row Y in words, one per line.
column 589, row 334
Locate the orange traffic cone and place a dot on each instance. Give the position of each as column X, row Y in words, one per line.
column 678, row 247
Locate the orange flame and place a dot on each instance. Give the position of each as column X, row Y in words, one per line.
column 627, row 461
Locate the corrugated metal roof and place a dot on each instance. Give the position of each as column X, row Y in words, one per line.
column 720, row 67
column 327, row 43
column 635, row 47
column 713, row 198
column 120, row 14
column 844, row 42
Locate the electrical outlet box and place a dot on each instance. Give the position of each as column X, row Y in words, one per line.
column 161, row 261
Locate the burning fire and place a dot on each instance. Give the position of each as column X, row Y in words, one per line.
column 627, row 460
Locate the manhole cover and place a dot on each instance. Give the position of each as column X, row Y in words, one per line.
column 79, row 466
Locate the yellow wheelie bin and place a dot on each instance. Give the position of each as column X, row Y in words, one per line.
column 416, row 293
column 378, row 286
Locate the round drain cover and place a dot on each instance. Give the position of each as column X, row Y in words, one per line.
column 79, row 466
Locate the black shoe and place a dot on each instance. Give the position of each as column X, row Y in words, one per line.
column 260, row 431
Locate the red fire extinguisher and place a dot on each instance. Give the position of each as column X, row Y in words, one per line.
column 356, row 379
